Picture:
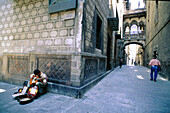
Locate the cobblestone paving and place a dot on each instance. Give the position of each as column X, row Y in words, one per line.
column 124, row 90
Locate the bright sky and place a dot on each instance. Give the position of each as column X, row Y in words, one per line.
column 132, row 50
column 134, row 4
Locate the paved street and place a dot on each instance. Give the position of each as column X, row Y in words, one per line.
column 125, row 90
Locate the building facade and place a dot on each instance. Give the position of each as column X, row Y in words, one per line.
column 157, row 35
column 69, row 43
column 133, row 32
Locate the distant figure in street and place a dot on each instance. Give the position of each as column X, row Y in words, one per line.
column 139, row 63
column 135, row 63
column 155, row 65
column 120, row 63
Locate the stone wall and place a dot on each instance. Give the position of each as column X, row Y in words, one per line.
column 157, row 34
column 27, row 26
column 0, row 64
column 31, row 37
column 94, row 58
column 91, row 10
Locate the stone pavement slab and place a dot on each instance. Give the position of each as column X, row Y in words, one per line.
column 124, row 90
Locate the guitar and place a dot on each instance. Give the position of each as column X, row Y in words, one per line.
column 34, row 79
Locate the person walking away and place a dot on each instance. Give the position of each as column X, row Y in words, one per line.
column 120, row 63
column 139, row 62
column 135, row 63
column 155, row 64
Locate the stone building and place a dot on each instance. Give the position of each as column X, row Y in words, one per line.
column 67, row 40
column 158, row 35
column 133, row 31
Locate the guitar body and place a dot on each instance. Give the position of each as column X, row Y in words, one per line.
column 34, row 80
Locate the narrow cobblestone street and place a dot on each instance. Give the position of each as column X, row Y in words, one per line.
column 124, row 90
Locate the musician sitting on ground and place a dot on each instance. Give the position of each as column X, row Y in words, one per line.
column 39, row 79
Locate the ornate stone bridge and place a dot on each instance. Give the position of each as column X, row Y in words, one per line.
column 134, row 27
column 134, row 39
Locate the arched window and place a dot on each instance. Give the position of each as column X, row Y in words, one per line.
column 134, row 29
column 127, row 30
column 141, row 27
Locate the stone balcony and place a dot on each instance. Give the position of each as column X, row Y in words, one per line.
column 136, row 35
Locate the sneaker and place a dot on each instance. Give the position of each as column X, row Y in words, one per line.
column 151, row 79
column 154, row 80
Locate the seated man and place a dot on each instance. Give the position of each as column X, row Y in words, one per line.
column 39, row 79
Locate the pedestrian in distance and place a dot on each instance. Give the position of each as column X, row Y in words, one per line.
column 155, row 66
column 135, row 63
column 139, row 62
column 120, row 63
